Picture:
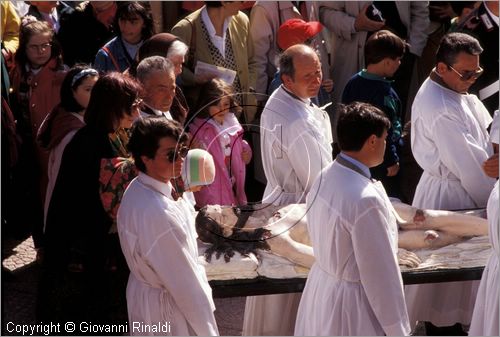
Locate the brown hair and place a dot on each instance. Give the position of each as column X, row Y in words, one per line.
column 26, row 32
column 111, row 99
column 383, row 44
column 211, row 94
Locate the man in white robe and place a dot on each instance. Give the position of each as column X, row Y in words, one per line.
column 354, row 287
column 167, row 285
column 296, row 142
column 450, row 142
column 157, row 75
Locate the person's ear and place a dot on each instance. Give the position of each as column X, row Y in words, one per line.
column 441, row 67
column 286, row 79
column 372, row 141
column 146, row 160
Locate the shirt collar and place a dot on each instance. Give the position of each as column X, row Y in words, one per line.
column 370, row 76
column 158, row 186
column 359, row 164
column 305, row 101
column 209, row 25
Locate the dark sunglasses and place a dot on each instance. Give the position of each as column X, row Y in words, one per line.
column 467, row 75
column 180, row 152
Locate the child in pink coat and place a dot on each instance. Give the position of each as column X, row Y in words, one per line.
column 216, row 129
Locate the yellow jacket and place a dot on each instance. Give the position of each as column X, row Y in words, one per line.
column 10, row 27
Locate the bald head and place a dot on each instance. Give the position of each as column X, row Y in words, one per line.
column 300, row 70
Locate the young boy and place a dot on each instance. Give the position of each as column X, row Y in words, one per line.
column 383, row 53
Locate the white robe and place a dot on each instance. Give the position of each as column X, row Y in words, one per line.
column 485, row 319
column 295, row 145
column 450, row 142
column 166, row 282
column 355, row 286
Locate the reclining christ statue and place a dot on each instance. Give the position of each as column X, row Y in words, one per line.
column 283, row 230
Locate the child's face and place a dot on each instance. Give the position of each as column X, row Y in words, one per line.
column 131, row 29
column 82, row 92
column 218, row 112
column 39, row 49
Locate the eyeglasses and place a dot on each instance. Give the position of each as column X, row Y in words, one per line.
column 39, row 47
column 179, row 152
column 467, row 75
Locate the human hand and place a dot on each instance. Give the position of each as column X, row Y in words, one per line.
column 362, row 23
column 327, row 85
column 407, row 258
column 393, row 170
column 246, row 155
column 490, row 166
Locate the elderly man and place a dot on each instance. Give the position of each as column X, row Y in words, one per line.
column 296, row 145
column 157, row 76
column 450, row 142
column 167, row 286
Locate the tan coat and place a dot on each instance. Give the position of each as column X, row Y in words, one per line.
column 241, row 41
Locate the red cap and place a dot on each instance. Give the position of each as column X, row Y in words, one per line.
column 295, row 31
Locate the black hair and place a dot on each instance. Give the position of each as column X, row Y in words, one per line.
column 358, row 121
column 453, row 44
column 211, row 93
column 68, row 101
column 129, row 9
column 383, row 44
column 214, row 4
column 146, row 134
column 242, row 241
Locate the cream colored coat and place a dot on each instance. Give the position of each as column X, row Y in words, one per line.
column 347, row 54
column 242, row 43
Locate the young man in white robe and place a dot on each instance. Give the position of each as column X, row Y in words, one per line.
column 450, row 142
column 167, row 292
column 296, row 142
column 354, row 287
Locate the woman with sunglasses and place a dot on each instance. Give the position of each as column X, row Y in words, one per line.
column 36, row 83
column 84, row 271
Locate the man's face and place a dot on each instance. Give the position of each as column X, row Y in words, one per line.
column 160, row 167
column 308, row 76
column 464, row 63
column 159, row 90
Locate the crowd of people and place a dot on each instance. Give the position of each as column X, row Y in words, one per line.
column 115, row 131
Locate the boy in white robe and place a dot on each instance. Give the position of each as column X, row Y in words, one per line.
column 354, row 287
column 450, row 142
column 167, row 292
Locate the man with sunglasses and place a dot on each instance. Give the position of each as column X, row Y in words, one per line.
column 450, row 142
column 167, row 292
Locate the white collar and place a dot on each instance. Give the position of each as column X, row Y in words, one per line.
column 305, row 101
column 230, row 125
column 157, row 112
column 210, row 26
column 156, row 185
column 359, row 164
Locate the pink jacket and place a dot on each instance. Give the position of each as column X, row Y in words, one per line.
column 221, row 190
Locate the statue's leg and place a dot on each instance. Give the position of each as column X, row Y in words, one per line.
column 421, row 239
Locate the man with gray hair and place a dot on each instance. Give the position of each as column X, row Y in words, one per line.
column 157, row 76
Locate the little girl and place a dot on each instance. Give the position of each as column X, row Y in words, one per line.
column 216, row 129
column 65, row 120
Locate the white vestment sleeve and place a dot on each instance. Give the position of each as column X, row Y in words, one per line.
column 379, row 271
column 463, row 156
column 179, row 273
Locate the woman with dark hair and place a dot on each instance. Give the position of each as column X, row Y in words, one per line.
column 169, row 46
column 36, row 81
column 78, row 240
column 134, row 25
column 65, row 120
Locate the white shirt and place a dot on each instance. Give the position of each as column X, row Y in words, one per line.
column 218, row 41
column 158, row 240
column 355, row 286
column 295, row 145
column 156, row 112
